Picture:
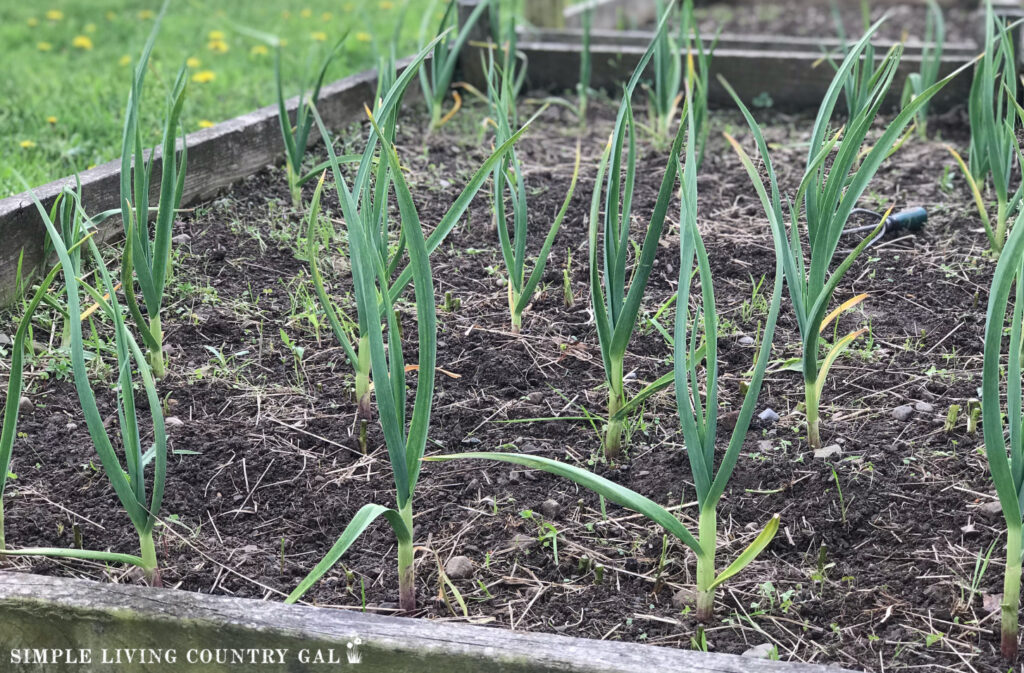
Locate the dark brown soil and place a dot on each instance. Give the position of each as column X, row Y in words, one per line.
column 877, row 544
column 816, row 18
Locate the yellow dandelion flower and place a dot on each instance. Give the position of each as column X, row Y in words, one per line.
column 319, row 36
column 386, row 5
column 218, row 46
column 90, row 28
column 326, row 16
column 205, row 123
column 215, row 35
column 125, row 60
column 204, row 76
column 54, row 15
column 348, row 7
column 306, row 13
column 32, row 22
column 364, row 37
column 145, row 14
column 111, row 16
column 193, row 62
column 27, row 144
column 44, row 46
column 259, row 50
column 82, row 42
column 51, row 120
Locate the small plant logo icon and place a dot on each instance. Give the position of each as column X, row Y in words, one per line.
column 353, row 654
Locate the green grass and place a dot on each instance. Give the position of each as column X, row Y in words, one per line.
column 63, row 104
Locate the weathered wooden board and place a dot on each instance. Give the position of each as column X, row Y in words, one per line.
column 732, row 41
column 792, row 81
column 88, row 618
column 217, row 157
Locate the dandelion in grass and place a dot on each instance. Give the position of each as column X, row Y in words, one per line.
column 326, row 16
column 386, row 5
column 27, row 144
column 215, row 35
column 191, row 62
column 145, row 15
column 44, row 46
column 82, row 42
column 319, row 36
column 364, row 37
column 205, row 123
column 259, row 50
column 51, row 120
column 204, row 76
column 111, row 16
column 54, row 15
column 306, row 13
column 32, row 22
column 125, row 60
column 217, row 46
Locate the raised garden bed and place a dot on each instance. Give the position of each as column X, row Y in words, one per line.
column 881, row 532
column 784, row 71
column 852, row 579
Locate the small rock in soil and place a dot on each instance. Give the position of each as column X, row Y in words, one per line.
column 520, row 541
column 535, row 397
column 683, row 598
column 173, row 422
column 71, row 427
column 924, row 407
column 550, row 508
column 181, row 239
column 762, row 651
column 24, row 404
column 5, row 340
column 829, row 451
column 992, row 507
column 969, row 529
column 471, row 441
column 459, row 568
column 903, row 412
column 764, row 445
column 769, row 415
column 746, row 341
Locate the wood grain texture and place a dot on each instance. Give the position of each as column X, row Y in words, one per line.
column 217, row 157
column 49, row 612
